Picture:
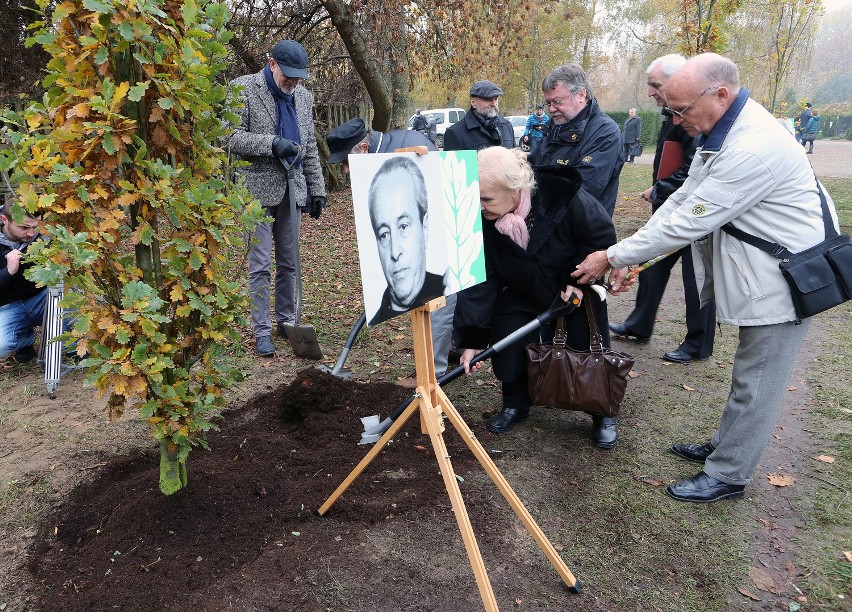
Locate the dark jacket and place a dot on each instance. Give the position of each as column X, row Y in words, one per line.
column 14, row 287
column 469, row 134
column 664, row 187
column 591, row 143
column 433, row 286
column 567, row 225
column 419, row 123
column 632, row 130
column 388, row 142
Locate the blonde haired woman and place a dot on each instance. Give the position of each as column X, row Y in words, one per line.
column 538, row 224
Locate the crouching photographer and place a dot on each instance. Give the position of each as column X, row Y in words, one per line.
column 21, row 301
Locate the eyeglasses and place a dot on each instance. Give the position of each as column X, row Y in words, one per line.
column 555, row 103
column 683, row 112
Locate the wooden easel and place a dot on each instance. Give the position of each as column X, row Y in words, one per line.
column 433, row 404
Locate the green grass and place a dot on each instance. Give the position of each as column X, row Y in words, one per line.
column 841, row 193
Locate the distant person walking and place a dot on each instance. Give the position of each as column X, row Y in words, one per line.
column 631, row 134
column 420, row 123
column 431, row 128
column 811, row 131
column 802, row 125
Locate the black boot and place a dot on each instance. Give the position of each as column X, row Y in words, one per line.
column 604, row 431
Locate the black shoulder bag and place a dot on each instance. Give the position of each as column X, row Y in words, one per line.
column 819, row 277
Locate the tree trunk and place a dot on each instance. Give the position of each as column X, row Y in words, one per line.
column 370, row 70
column 172, row 471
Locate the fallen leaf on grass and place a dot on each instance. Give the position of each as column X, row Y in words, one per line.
column 653, row 482
column 824, row 458
column 519, row 601
column 748, row 594
column 792, row 388
column 762, row 580
column 846, row 410
column 633, row 373
column 848, row 555
column 781, row 480
column 688, row 388
column 420, row 447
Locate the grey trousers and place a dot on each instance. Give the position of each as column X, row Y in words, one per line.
column 442, row 334
column 763, row 363
column 279, row 232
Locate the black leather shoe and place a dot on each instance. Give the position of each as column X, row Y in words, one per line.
column 693, row 452
column 605, row 432
column 623, row 332
column 681, row 356
column 701, row 489
column 282, row 331
column 507, row 418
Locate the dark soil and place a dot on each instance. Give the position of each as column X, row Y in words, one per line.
column 245, row 533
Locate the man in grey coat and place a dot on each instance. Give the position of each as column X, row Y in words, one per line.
column 276, row 129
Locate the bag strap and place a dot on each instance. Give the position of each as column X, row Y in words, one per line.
column 595, row 340
column 559, row 334
column 775, row 249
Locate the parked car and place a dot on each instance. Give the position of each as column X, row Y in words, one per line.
column 444, row 118
column 519, row 125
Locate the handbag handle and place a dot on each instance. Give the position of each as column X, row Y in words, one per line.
column 595, row 339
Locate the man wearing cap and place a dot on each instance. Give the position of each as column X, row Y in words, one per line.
column 420, row 124
column 353, row 138
column 580, row 134
column 276, row 125
column 536, row 124
column 483, row 126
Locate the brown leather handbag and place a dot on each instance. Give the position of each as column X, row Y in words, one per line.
column 592, row 381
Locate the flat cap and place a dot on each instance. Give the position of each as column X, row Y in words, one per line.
column 341, row 139
column 291, row 58
column 808, row 104
column 485, row 89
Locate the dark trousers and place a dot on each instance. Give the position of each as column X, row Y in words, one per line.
column 700, row 322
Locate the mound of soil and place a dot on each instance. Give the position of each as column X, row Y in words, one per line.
column 245, row 533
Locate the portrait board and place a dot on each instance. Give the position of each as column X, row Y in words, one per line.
column 419, row 229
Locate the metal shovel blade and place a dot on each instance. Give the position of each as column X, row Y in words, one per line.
column 303, row 339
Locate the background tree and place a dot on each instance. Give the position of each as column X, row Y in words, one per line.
column 121, row 158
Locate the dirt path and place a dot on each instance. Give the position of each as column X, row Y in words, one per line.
column 830, row 158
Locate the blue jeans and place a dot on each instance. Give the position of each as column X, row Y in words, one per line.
column 18, row 321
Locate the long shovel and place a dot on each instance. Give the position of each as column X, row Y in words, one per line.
column 338, row 369
column 303, row 338
column 557, row 309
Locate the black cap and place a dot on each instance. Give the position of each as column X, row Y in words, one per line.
column 291, row 58
column 540, row 107
column 341, row 139
column 485, row 89
column 808, row 104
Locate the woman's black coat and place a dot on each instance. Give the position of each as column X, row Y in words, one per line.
column 568, row 224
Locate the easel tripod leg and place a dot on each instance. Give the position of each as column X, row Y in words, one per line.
column 368, row 458
column 509, row 494
column 432, row 419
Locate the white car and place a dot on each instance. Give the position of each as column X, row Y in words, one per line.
column 444, row 118
column 519, row 125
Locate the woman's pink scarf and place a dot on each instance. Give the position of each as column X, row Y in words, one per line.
column 512, row 224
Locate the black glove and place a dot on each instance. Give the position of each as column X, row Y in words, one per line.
column 315, row 206
column 283, row 147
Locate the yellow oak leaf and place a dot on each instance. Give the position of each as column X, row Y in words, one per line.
column 825, row 458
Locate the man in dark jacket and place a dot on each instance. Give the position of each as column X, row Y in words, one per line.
column 420, row 122
column 632, row 133
column 580, row 135
column 21, row 301
column 482, row 126
column 700, row 322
